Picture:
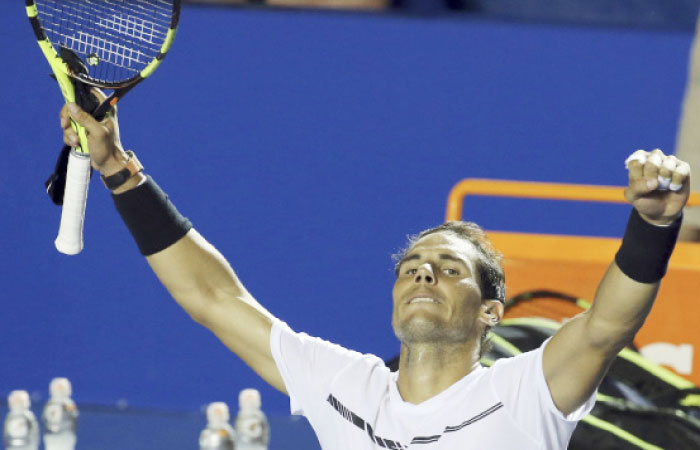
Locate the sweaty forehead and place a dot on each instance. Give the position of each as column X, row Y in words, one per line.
column 445, row 242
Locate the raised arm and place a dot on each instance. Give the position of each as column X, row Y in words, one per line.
column 197, row 276
column 577, row 357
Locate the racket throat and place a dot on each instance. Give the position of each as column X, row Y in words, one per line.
column 83, row 97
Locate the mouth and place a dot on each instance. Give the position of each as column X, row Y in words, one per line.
column 423, row 299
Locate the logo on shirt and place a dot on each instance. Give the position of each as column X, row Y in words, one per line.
column 392, row 444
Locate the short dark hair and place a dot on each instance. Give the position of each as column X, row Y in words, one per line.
column 492, row 279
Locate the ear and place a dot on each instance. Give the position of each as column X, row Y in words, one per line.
column 491, row 312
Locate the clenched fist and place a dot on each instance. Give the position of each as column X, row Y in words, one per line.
column 659, row 185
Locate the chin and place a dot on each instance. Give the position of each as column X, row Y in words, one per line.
column 417, row 330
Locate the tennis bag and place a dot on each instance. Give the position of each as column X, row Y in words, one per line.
column 653, row 385
column 639, row 405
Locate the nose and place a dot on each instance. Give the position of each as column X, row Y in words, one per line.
column 424, row 274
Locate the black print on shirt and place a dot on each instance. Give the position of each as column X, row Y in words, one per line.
column 388, row 443
column 478, row 417
column 360, row 423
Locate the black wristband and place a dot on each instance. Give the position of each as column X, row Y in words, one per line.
column 646, row 248
column 150, row 216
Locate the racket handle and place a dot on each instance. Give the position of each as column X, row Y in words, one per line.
column 70, row 232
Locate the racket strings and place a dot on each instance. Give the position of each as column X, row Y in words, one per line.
column 115, row 38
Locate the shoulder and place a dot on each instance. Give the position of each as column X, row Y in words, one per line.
column 287, row 344
column 520, row 384
column 316, row 371
column 530, row 359
column 519, row 378
column 282, row 332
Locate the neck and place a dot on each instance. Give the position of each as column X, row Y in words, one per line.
column 426, row 369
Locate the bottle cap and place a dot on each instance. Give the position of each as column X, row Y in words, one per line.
column 217, row 413
column 249, row 399
column 60, row 388
column 18, row 401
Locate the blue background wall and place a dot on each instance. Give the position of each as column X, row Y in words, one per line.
column 305, row 146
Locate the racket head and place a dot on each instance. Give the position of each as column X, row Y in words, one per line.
column 116, row 43
column 545, row 303
column 108, row 44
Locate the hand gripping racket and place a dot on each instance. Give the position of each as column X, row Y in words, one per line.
column 108, row 44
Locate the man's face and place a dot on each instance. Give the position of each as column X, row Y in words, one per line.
column 437, row 297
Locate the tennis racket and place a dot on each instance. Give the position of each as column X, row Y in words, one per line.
column 107, row 44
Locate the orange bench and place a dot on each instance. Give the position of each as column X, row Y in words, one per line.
column 575, row 265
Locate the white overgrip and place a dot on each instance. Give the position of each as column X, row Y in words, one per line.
column 70, row 232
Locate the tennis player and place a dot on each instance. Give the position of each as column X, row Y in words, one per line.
column 448, row 293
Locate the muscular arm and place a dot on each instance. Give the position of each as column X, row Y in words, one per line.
column 577, row 357
column 579, row 354
column 203, row 283
column 194, row 272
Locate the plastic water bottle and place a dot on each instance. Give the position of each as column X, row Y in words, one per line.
column 21, row 429
column 218, row 435
column 252, row 429
column 60, row 417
